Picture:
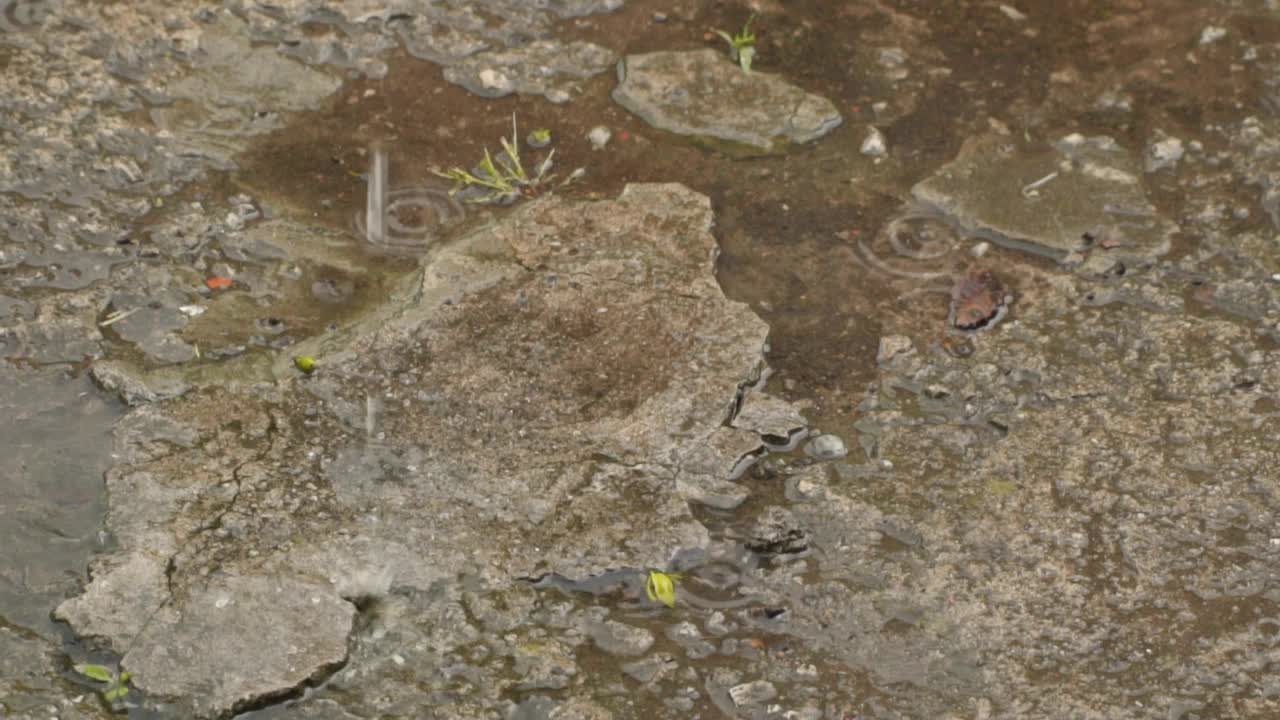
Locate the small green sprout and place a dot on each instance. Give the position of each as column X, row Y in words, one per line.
column 117, row 685
column 503, row 181
column 539, row 138
column 305, row 363
column 661, row 587
column 742, row 47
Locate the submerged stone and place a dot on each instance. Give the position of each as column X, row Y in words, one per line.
column 1080, row 195
column 549, row 68
column 236, row 89
column 618, row 638
column 703, row 94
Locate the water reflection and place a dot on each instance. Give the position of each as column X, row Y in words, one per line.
column 403, row 220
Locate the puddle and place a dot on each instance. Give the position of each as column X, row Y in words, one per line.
column 57, row 438
column 822, row 242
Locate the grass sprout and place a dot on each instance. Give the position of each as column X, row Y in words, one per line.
column 114, row 685
column 503, row 180
column 742, row 47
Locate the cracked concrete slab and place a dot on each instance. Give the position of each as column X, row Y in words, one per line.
column 573, row 362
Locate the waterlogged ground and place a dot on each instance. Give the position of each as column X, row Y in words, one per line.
column 1031, row 283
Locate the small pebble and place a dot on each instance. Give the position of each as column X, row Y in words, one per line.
column 892, row 346
column 1013, row 13
column 1212, row 34
column 599, row 137
column 491, row 79
column 615, row 638
column 874, row 145
column 826, row 447
column 752, row 693
column 1163, row 154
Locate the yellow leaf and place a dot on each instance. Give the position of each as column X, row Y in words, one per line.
column 101, row 673
column 661, row 587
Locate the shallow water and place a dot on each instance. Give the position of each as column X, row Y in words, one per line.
column 57, row 440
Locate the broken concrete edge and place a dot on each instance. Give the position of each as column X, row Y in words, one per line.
column 324, row 608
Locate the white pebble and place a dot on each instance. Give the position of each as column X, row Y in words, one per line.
column 1163, row 154
column 1212, row 34
column 826, row 447
column 599, row 137
column 874, row 145
column 1012, row 13
column 491, row 79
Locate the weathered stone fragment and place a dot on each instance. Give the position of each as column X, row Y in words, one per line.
column 1081, row 195
column 546, row 67
column 702, row 94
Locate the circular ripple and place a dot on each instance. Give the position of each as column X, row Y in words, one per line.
column 415, row 217
column 21, row 15
column 915, row 244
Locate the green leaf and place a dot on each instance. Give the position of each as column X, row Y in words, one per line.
column 661, row 587
column 125, row 677
column 488, row 168
column 116, row 693
column 727, row 38
column 515, row 169
column 305, row 363
column 101, row 673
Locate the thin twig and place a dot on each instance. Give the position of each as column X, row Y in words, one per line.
column 116, row 317
column 1028, row 189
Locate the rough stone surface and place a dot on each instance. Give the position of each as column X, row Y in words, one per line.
column 702, row 94
column 458, row 422
column 545, row 67
column 616, row 638
column 1087, row 465
column 235, row 642
column 752, row 693
column 766, row 414
column 490, row 47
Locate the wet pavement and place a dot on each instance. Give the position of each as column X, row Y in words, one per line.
column 946, row 376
